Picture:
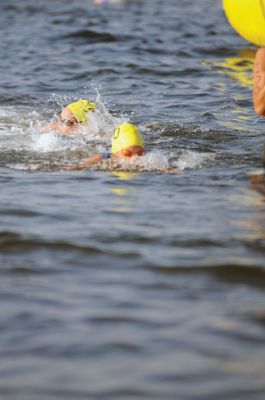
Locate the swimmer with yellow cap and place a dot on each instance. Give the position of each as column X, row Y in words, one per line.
column 126, row 142
column 248, row 19
column 71, row 115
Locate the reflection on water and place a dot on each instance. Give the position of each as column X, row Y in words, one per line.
column 254, row 200
column 239, row 116
column 240, row 67
column 237, row 68
column 257, row 225
column 125, row 175
column 257, row 182
column 123, row 201
column 99, row 2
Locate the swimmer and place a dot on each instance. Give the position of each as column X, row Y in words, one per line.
column 259, row 82
column 257, row 178
column 126, row 143
column 71, row 115
column 257, row 181
column 248, row 18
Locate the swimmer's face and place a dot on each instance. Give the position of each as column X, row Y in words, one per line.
column 66, row 114
column 130, row 151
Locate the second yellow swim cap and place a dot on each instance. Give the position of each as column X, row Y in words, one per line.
column 248, row 18
column 126, row 135
column 80, row 109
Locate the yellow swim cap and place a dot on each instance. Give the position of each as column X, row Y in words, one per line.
column 126, row 135
column 248, row 18
column 80, row 109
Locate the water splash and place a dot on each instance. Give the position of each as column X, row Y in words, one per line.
column 21, row 130
column 47, row 142
column 192, row 159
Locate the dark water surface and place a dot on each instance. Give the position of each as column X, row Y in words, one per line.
column 126, row 285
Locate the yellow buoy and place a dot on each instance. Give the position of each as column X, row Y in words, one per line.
column 248, row 18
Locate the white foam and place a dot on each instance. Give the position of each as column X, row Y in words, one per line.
column 192, row 159
column 99, row 127
column 150, row 161
column 156, row 160
column 22, row 129
column 47, row 142
column 153, row 160
column 24, row 167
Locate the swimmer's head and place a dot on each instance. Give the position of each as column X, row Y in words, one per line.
column 126, row 138
column 79, row 109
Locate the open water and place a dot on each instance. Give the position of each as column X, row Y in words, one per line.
column 136, row 284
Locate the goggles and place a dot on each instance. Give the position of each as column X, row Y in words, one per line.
column 67, row 122
column 129, row 153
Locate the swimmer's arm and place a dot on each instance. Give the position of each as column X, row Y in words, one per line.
column 86, row 164
column 49, row 127
column 59, row 127
column 64, row 129
column 259, row 82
